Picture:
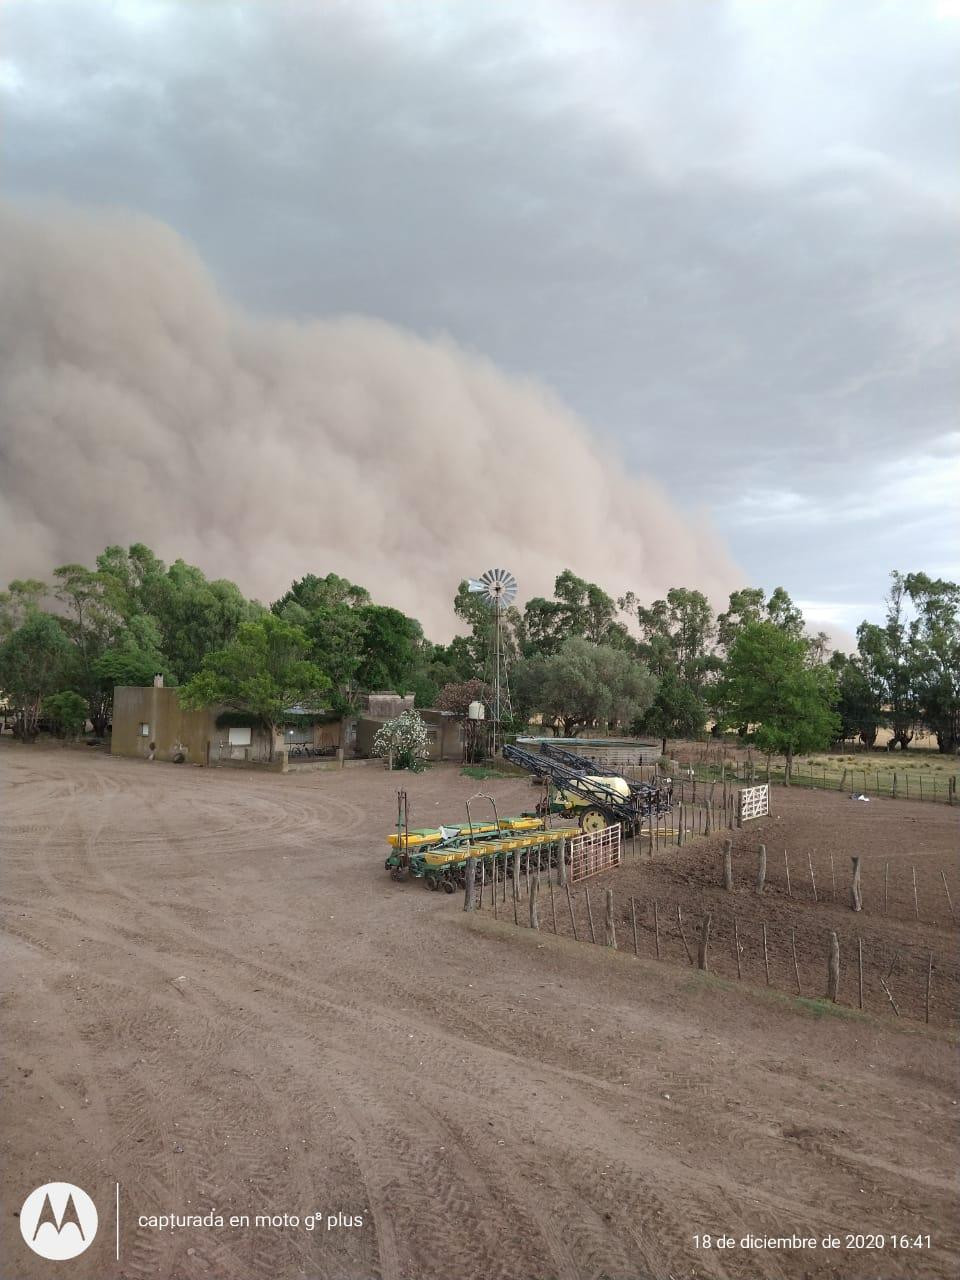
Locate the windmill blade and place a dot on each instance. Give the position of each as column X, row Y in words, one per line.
column 498, row 586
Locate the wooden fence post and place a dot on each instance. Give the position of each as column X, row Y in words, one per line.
column 656, row 925
column 728, row 865
column 786, row 863
column 796, row 966
column 470, row 892
column 593, row 932
column 916, row 904
column 553, row 906
column 833, row 968
column 859, row 972
column 766, row 955
column 610, row 928
column 683, row 936
column 704, row 943
column 562, row 864
column 946, row 890
column 929, row 975
column 813, row 879
column 573, row 918
column 856, row 896
column 636, row 935
column 534, row 909
column 736, row 944
column 761, row 869
column 516, row 875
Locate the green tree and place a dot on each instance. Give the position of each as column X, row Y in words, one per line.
column 750, row 604
column 893, row 665
column 68, row 712
column 330, row 612
column 391, row 646
column 263, row 670
column 769, row 683
column 857, row 704
column 21, row 599
column 677, row 711
column 36, row 660
column 935, row 642
column 193, row 616
column 586, row 684
column 579, row 608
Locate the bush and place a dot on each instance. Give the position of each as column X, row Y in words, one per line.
column 67, row 711
column 404, row 739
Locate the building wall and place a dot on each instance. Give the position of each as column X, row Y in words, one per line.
column 444, row 741
column 169, row 726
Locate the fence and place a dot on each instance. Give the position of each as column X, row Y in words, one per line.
column 891, row 888
column 897, row 784
column 841, row 965
column 594, row 852
column 754, row 802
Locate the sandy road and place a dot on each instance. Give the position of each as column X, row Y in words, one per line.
column 216, row 997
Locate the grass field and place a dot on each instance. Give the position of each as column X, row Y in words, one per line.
column 925, row 775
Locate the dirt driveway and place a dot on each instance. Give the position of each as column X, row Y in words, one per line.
column 216, row 998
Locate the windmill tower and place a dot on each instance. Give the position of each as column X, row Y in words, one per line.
column 497, row 588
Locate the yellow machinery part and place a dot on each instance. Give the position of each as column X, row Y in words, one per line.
column 433, row 835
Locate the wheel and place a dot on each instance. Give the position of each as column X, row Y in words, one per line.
column 593, row 819
column 447, row 885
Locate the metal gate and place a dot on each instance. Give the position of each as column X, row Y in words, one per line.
column 594, row 852
column 754, row 802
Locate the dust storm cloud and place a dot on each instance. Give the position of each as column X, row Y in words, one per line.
column 137, row 404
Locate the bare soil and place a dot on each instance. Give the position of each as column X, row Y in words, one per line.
column 217, row 998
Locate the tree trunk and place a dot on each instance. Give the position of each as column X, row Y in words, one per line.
column 663, row 746
column 788, row 769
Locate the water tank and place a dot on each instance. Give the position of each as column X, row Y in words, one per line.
column 476, row 711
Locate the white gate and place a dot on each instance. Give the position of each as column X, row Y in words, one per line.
column 754, row 802
column 594, row 851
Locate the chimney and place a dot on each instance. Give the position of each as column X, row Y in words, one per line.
column 158, row 680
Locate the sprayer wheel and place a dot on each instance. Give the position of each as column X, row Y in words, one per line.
column 593, row 819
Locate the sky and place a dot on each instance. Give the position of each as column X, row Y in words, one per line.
column 715, row 241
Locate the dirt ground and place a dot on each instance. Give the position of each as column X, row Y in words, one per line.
column 217, row 998
column 812, row 836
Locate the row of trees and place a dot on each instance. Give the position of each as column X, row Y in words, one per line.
column 580, row 659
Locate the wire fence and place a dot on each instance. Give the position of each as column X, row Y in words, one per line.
column 839, row 966
column 897, row 784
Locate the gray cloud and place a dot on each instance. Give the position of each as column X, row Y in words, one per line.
column 725, row 234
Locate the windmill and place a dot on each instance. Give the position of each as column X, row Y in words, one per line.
column 497, row 588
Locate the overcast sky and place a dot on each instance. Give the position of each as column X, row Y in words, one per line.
column 725, row 234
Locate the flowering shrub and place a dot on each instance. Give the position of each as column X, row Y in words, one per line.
column 406, row 738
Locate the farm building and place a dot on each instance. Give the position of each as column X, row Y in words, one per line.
column 444, row 729
column 148, row 721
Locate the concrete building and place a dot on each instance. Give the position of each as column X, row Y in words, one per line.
column 149, row 722
column 444, row 732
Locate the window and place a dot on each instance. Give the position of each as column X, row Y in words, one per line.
column 239, row 737
column 144, row 729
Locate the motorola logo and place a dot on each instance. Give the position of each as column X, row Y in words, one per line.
column 58, row 1221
